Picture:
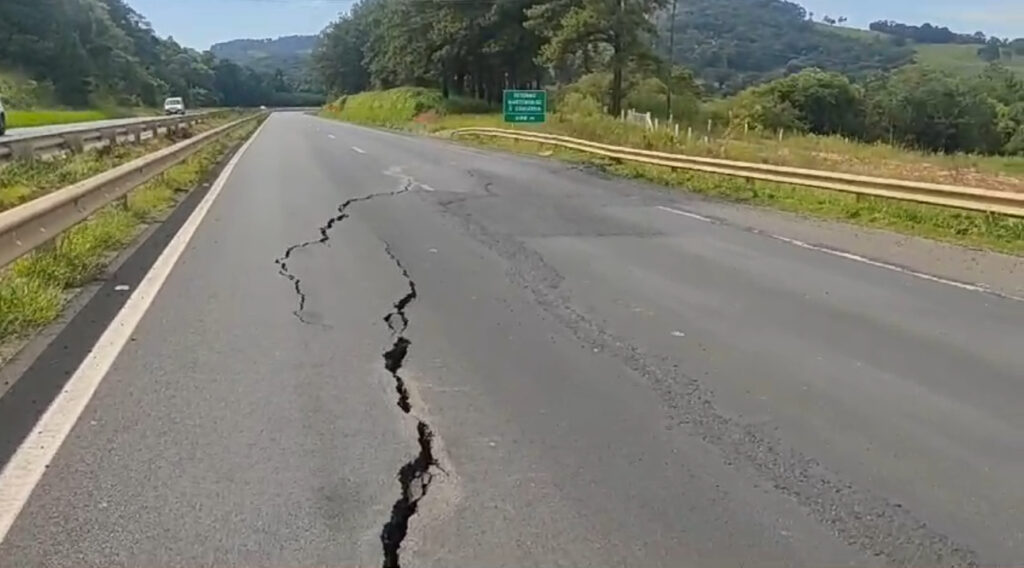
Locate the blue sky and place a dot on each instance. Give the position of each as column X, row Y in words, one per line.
column 200, row 23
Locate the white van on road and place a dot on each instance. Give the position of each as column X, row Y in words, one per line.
column 174, row 105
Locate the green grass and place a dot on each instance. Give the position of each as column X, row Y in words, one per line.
column 829, row 153
column 960, row 59
column 26, row 118
column 22, row 181
column 855, row 33
column 393, row 108
column 34, row 288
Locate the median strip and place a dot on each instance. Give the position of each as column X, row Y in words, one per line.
column 34, row 289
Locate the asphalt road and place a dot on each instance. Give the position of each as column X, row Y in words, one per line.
column 379, row 349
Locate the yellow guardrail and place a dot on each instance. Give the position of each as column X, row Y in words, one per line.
column 971, row 198
column 32, row 224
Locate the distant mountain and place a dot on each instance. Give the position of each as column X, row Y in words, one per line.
column 732, row 44
column 290, row 54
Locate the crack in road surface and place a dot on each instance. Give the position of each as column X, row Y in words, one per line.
column 325, row 236
column 415, row 476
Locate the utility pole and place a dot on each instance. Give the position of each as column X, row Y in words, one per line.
column 671, row 55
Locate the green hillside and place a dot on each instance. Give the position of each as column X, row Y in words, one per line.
column 291, row 55
column 20, row 92
column 958, row 58
column 961, row 59
column 733, row 44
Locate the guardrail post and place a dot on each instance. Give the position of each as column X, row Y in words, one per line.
column 22, row 151
column 110, row 138
column 75, row 143
column 135, row 132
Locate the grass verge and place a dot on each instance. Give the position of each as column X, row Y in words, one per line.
column 27, row 118
column 34, row 288
column 25, row 180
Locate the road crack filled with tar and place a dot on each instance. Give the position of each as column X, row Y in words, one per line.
column 325, row 236
column 858, row 516
column 416, row 475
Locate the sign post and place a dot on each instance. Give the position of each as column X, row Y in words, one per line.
column 525, row 106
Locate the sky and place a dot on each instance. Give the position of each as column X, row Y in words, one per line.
column 201, row 23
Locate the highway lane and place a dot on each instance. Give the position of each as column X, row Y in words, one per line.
column 580, row 371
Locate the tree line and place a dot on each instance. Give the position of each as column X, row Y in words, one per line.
column 103, row 52
column 926, row 33
column 478, row 48
column 733, row 44
column 612, row 53
column 914, row 106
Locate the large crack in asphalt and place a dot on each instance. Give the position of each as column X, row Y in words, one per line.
column 325, row 236
column 858, row 516
column 415, row 476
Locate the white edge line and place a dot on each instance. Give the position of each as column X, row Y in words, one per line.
column 687, row 214
column 426, row 187
column 331, row 136
column 26, row 467
column 887, row 266
column 358, row 149
column 864, row 260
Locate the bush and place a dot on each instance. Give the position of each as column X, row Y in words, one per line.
column 577, row 106
column 468, row 105
column 651, row 95
column 596, row 86
column 810, row 101
column 393, row 108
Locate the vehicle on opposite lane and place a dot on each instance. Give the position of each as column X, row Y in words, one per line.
column 174, row 105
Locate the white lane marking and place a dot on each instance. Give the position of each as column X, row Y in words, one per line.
column 26, row 467
column 687, row 214
column 358, row 149
column 893, row 267
column 862, row 259
column 426, row 187
column 331, row 136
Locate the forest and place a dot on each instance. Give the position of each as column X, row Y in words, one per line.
column 104, row 53
column 289, row 55
column 616, row 53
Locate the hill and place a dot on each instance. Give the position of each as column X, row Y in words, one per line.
column 290, row 54
column 732, row 44
column 962, row 59
column 102, row 53
column 959, row 54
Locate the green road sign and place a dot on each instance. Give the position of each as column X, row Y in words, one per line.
column 525, row 106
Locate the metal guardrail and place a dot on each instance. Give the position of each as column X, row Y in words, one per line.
column 78, row 137
column 971, row 198
column 32, row 224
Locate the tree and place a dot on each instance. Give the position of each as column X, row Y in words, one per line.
column 102, row 52
column 574, row 28
column 990, row 52
column 813, row 101
column 926, row 108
